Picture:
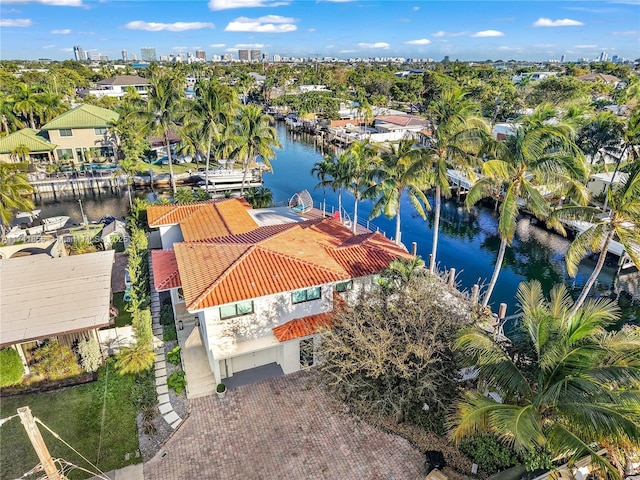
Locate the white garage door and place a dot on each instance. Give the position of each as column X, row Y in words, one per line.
column 255, row 359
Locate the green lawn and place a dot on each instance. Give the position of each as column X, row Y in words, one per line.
column 177, row 167
column 124, row 317
column 75, row 414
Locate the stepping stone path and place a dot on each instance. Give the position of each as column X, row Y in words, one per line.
column 164, row 403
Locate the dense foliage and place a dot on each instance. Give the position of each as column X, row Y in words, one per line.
column 54, row 361
column 391, row 354
column 11, row 369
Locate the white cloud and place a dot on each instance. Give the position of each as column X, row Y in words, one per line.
column 16, row 22
column 311, row 30
column 53, row 3
column 415, row 9
column 585, row 46
column 266, row 24
column 564, row 22
column 488, row 33
column 442, row 33
column 180, row 49
column 66, row 31
column 67, row 49
column 374, row 45
column 422, row 41
column 509, row 49
column 228, row 4
column 169, row 27
column 347, row 51
column 218, row 45
column 630, row 32
column 248, row 45
column 48, row 46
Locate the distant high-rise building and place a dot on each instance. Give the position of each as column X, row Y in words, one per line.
column 603, row 57
column 148, row 54
column 79, row 54
column 277, row 58
column 134, row 57
column 563, row 58
column 227, row 57
column 255, row 55
column 124, row 55
column 201, row 55
column 243, row 55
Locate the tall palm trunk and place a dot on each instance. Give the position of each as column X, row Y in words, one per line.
column 594, row 275
column 340, row 204
column 244, row 176
column 206, row 167
column 436, row 231
column 496, row 271
column 171, row 177
column 398, row 232
column 355, row 214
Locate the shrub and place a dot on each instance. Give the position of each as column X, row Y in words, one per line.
column 170, row 333
column 135, row 359
column 166, row 315
column 143, row 392
column 176, row 382
column 11, row 369
column 221, row 387
column 490, row 455
column 142, row 326
column 55, row 361
column 90, row 355
column 148, row 415
column 173, row 356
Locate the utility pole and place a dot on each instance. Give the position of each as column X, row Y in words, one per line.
column 39, row 446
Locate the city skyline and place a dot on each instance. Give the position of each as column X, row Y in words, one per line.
column 469, row 30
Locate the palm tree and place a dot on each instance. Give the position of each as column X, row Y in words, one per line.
column 571, row 388
column 621, row 222
column 323, row 171
column 21, row 152
column 601, row 136
column 212, row 113
column 254, row 137
column 26, row 103
column 357, row 173
column 129, row 166
column 454, row 143
column 536, row 156
column 165, row 109
column 402, row 168
column 14, row 185
column 135, row 359
column 260, row 197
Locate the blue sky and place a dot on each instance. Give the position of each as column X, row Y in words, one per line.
column 465, row 30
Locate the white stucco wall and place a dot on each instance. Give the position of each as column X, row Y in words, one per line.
column 170, row 234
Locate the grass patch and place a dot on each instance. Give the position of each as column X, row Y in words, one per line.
column 74, row 413
column 124, row 317
column 177, row 167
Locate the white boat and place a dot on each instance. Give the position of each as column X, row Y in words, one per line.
column 30, row 223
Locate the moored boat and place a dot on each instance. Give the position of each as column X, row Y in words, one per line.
column 30, row 223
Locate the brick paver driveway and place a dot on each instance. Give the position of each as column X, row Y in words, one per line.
column 283, row 428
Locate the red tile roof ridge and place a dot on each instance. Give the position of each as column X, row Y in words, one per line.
column 341, row 274
column 167, row 282
column 301, row 327
column 264, row 233
column 207, row 291
column 170, row 209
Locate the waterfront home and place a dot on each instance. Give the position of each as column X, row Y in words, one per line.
column 82, row 134
column 67, row 298
column 261, row 283
column 117, row 87
column 38, row 147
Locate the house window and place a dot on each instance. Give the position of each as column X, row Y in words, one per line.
column 100, row 130
column 66, row 132
column 306, row 352
column 306, row 295
column 236, row 309
column 65, row 154
column 344, row 286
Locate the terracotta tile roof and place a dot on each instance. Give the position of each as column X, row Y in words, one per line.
column 204, row 220
column 301, row 327
column 402, row 120
column 165, row 270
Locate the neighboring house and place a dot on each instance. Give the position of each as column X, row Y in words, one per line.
column 39, row 147
column 115, row 234
column 261, row 283
column 601, row 77
column 599, row 182
column 67, row 298
column 82, row 134
column 117, row 87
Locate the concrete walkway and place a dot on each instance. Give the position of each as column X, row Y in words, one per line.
column 164, row 403
column 131, row 472
column 195, row 363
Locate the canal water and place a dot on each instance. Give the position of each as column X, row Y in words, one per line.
column 468, row 240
